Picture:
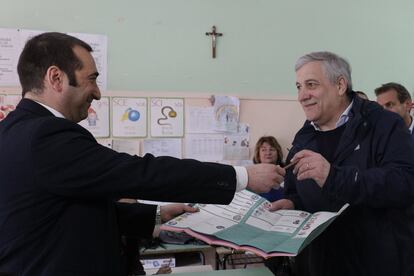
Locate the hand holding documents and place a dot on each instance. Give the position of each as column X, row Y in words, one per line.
column 263, row 177
column 246, row 224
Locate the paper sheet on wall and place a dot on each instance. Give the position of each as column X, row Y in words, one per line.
column 204, row 147
column 99, row 44
column 8, row 103
column 167, row 117
column 129, row 117
column 200, row 120
column 127, row 146
column 105, row 142
column 25, row 35
column 97, row 121
column 226, row 112
column 12, row 42
column 236, row 145
column 10, row 48
column 163, row 147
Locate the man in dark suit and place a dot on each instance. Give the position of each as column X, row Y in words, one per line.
column 396, row 98
column 58, row 214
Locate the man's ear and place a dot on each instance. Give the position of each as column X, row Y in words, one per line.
column 408, row 105
column 342, row 86
column 54, row 77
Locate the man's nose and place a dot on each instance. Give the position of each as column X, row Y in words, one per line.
column 302, row 94
column 97, row 94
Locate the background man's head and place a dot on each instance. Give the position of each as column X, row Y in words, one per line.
column 396, row 98
column 43, row 51
column 323, row 80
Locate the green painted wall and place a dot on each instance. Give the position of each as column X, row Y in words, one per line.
column 160, row 45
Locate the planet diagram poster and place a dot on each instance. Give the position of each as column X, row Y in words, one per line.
column 129, row 117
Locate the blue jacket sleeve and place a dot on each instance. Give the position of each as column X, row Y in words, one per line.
column 388, row 179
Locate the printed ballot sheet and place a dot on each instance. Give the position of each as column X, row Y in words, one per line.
column 247, row 224
column 286, row 221
column 215, row 217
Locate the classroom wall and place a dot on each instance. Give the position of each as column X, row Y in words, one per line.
column 160, row 45
column 279, row 117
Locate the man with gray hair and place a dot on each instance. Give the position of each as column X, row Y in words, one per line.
column 350, row 151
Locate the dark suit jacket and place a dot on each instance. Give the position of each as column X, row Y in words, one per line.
column 58, row 186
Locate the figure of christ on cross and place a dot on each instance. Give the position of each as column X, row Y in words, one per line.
column 214, row 36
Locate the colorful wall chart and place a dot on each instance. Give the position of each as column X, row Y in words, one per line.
column 97, row 121
column 129, row 117
column 167, row 117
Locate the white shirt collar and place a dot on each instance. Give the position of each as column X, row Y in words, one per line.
column 54, row 111
column 342, row 119
column 412, row 124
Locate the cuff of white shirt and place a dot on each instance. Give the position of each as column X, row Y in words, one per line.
column 241, row 177
column 158, row 216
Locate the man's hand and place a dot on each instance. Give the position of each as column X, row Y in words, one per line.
column 263, row 177
column 281, row 204
column 170, row 211
column 311, row 165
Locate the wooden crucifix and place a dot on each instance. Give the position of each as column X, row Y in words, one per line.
column 214, row 36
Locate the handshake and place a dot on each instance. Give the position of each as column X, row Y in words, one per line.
column 263, row 177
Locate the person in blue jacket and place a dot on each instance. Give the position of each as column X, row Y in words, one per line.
column 396, row 98
column 268, row 150
column 350, row 151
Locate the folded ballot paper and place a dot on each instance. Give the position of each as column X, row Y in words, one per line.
column 246, row 224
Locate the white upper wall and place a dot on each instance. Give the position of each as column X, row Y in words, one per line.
column 160, row 45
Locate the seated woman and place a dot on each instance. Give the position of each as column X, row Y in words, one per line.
column 268, row 150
